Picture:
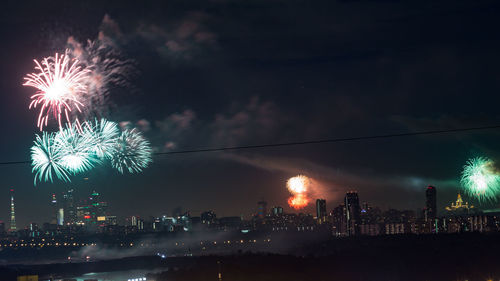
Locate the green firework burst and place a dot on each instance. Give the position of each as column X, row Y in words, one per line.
column 481, row 179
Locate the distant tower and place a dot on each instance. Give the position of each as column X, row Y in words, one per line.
column 13, row 226
column 55, row 210
column 321, row 210
column 430, row 203
column 351, row 202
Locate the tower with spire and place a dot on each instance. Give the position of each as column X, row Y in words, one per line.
column 459, row 206
column 13, row 226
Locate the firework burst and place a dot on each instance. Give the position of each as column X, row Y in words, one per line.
column 46, row 159
column 76, row 150
column 298, row 201
column 103, row 135
column 60, row 84
column 299, row 188
column 133, row 152
column 481, row 179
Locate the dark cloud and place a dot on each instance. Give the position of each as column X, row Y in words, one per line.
column 180, row 39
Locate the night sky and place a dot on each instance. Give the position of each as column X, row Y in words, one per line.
column 228, row 73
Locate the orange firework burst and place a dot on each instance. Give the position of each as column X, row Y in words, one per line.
column 298, row 186
column 298, row 201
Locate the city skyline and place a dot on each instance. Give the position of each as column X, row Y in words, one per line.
column 66, row 209
column 175, row 140
column 199, row 82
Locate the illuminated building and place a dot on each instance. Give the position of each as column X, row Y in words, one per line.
column 111, row 220
column 98, row 208
column 321, row 214
column 339, row 220
column 430, row 212
column 371, row 229
column 430, row 203
column 91, row 211
column 208, row 217
column 60, row 216
column 352, row 214
column 262, row 209
column 54, row 209
column 370, row 220
column 13, row 226
column 83, row 214
column 277, row 211
column 459, row 206
column 69, row 207
column 34, row 231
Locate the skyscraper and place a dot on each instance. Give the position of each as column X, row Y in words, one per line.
column 321, row 210
column 69, row 207
column 430, row 203
column 339, row 220
column 55, row 209
column 351, row 202
column 98, row 208
column 13, row 226
column 262, row 212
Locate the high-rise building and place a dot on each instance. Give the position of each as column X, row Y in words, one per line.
column 98, row 208
column 13, row 226
column 321, row 214
column 54, row 209
column 262, row 210
column 277, row 211
column 60, row 216
column 133, row 221
column 69, row 207
column 430, row 203
column 90, row 211
column 351, row 202
column 339, row 220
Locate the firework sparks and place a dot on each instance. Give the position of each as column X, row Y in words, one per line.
column 481, row 179
column 60, row 83
column 298, row 201
column 107, row 69
column 46, row 159
column 298, row 184
column 71, row 151
column 77, row 150
column 299, row 187
column 133, row 152
column 103, row 135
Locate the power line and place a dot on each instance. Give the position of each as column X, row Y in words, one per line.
column 334, row 140
column 330, row 140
